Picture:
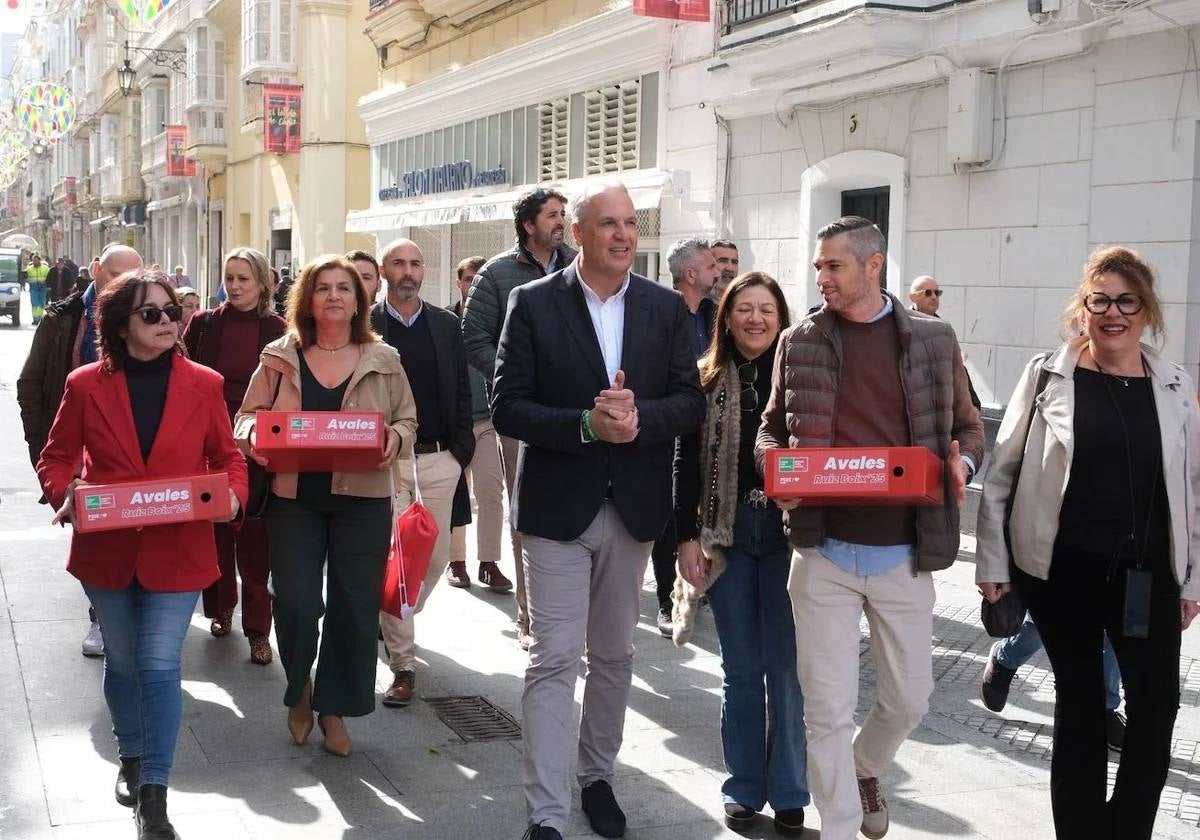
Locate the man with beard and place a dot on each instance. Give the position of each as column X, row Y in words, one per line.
column 540, row 218
column 726, row 254
column 431, row 350
column 863, row 371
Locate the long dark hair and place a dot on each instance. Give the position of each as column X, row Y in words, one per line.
column 720, row 351
column 117, row 303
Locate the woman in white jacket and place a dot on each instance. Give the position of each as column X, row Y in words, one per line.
column 1105, row 536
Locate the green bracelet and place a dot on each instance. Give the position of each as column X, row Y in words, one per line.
column 589, row 434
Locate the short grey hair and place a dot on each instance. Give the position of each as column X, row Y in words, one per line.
column 682, row 254
column 591, row 189
column 865, row 238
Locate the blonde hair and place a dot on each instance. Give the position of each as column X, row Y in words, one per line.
column 260, row 269
column 1129, row 265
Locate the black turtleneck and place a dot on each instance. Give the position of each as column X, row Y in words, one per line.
column 147, row 382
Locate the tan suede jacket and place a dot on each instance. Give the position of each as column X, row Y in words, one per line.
column 377, row 384
column 1046, row 468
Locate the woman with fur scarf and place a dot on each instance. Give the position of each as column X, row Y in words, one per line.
column 732, row 544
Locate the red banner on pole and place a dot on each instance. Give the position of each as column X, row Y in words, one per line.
column 281, row 118
column 177, row 162
column 72, row 199
column 693, row 10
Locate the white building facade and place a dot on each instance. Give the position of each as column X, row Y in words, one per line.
column 995, row 147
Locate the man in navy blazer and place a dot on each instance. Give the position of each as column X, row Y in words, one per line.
column 595, row 376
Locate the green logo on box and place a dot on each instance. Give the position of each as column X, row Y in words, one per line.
column 787, row 464
column 91, row 502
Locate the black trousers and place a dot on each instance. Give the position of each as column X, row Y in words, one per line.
column 662, row 556
column 1080, row 601
column 339, row 544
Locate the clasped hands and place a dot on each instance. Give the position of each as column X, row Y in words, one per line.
column 614, row 417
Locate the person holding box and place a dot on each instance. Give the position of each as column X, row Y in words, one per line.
column 335, row 522
column 142, row 411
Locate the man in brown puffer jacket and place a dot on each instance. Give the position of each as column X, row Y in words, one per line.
column 864, row 371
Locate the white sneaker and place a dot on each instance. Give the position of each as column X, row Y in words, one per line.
column 93, row 642
column 874, row 808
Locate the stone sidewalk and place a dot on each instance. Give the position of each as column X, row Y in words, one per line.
column 965, row 773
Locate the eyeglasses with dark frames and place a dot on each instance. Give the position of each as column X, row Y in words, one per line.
column 747, row 377
column 153, row 314
column 1127, row 303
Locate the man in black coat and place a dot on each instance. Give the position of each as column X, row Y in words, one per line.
column 435, row 361
column 595, row 375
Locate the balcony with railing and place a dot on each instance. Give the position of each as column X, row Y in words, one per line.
column 741, row 12
column 154, row 156
column 402, row 21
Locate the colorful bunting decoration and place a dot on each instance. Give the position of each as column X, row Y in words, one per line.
column 46, row 110
column 154, row 8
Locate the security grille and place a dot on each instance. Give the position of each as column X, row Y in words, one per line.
column 611, row 133
column 483, row 239
column 553, row 143
column 475, row 718
column 437, row 284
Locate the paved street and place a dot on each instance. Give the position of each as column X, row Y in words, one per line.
column 965, row 773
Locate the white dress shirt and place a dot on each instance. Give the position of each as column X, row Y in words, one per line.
column 608, row 318
column 395, row 313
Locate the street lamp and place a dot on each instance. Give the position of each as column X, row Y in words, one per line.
column 174, row 59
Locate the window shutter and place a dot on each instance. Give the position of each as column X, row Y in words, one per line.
column 611, row 135
column 552, row 140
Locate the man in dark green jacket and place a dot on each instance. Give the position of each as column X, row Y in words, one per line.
column 540, row 218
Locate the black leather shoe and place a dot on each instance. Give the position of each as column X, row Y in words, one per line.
column 739, row 817
column 541, row 832
column 151, row 814
column 127, row 781
column 790, row 822
column 604, row 814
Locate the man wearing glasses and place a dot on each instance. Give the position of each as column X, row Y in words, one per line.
column 925, row 295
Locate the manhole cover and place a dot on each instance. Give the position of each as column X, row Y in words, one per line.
column 475, row 718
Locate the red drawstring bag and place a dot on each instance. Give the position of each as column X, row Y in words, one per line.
column 414, row 533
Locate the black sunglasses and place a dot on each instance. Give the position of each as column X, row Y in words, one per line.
column 747, row 377
column 1127, row 303
column 928, row 292
column 152, row 314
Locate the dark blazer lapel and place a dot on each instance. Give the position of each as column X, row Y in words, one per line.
column 112, row 400
column 182, row 403
column 574, row 310
column 637, row 321
column 443, row 348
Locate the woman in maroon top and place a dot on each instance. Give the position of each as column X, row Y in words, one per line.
column 228, row 339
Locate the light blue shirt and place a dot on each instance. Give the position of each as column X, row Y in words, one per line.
column 608, row 319
column 872, row 559
column 408, row 322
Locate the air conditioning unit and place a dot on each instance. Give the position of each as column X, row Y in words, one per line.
column 969, row 121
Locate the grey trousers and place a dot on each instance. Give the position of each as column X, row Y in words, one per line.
column 509, row 447
column 581, row 593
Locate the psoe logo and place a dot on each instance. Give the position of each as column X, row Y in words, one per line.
column 303, row 424
column 99, row 501
column 793, row 463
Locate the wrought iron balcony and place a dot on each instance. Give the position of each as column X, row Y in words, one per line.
column 738, row 12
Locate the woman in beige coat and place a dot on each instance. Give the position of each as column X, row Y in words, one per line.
column 321, row 523
column 1105, row 536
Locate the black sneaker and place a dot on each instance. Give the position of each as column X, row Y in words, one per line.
column 604, row 814
column 790, row 822
column 739, row 817
column 665, row 625
column 996, row 681
column 541, row 832
column 1114, row 730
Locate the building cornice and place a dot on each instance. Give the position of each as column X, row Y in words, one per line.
column 609, row 47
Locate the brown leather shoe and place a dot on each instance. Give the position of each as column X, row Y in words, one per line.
column 337, row 739
column 300, row 716
column 260, row 649
column 456, row 575
column 222, row 624
column 491, row 577
column 401, row 691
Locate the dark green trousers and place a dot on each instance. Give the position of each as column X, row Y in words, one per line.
column 344, row 540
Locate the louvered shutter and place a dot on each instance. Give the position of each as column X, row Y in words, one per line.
column 611, row 135
column 552, row 140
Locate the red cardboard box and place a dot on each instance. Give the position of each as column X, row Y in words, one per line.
column 901, row 475
column 153, row 501
column 320, row 441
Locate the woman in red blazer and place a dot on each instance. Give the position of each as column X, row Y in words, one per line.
column 146, row 411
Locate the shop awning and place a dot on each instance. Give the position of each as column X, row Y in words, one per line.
column 645, row 187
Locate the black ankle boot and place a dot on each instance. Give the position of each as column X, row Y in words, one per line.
column 127, row 781
column 151, row 814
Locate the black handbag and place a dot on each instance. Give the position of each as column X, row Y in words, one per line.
column 1005, row 617
column 259, row 477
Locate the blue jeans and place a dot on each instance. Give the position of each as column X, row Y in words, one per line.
column 143, row 642
column 1016, row 650
column 762, row 708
